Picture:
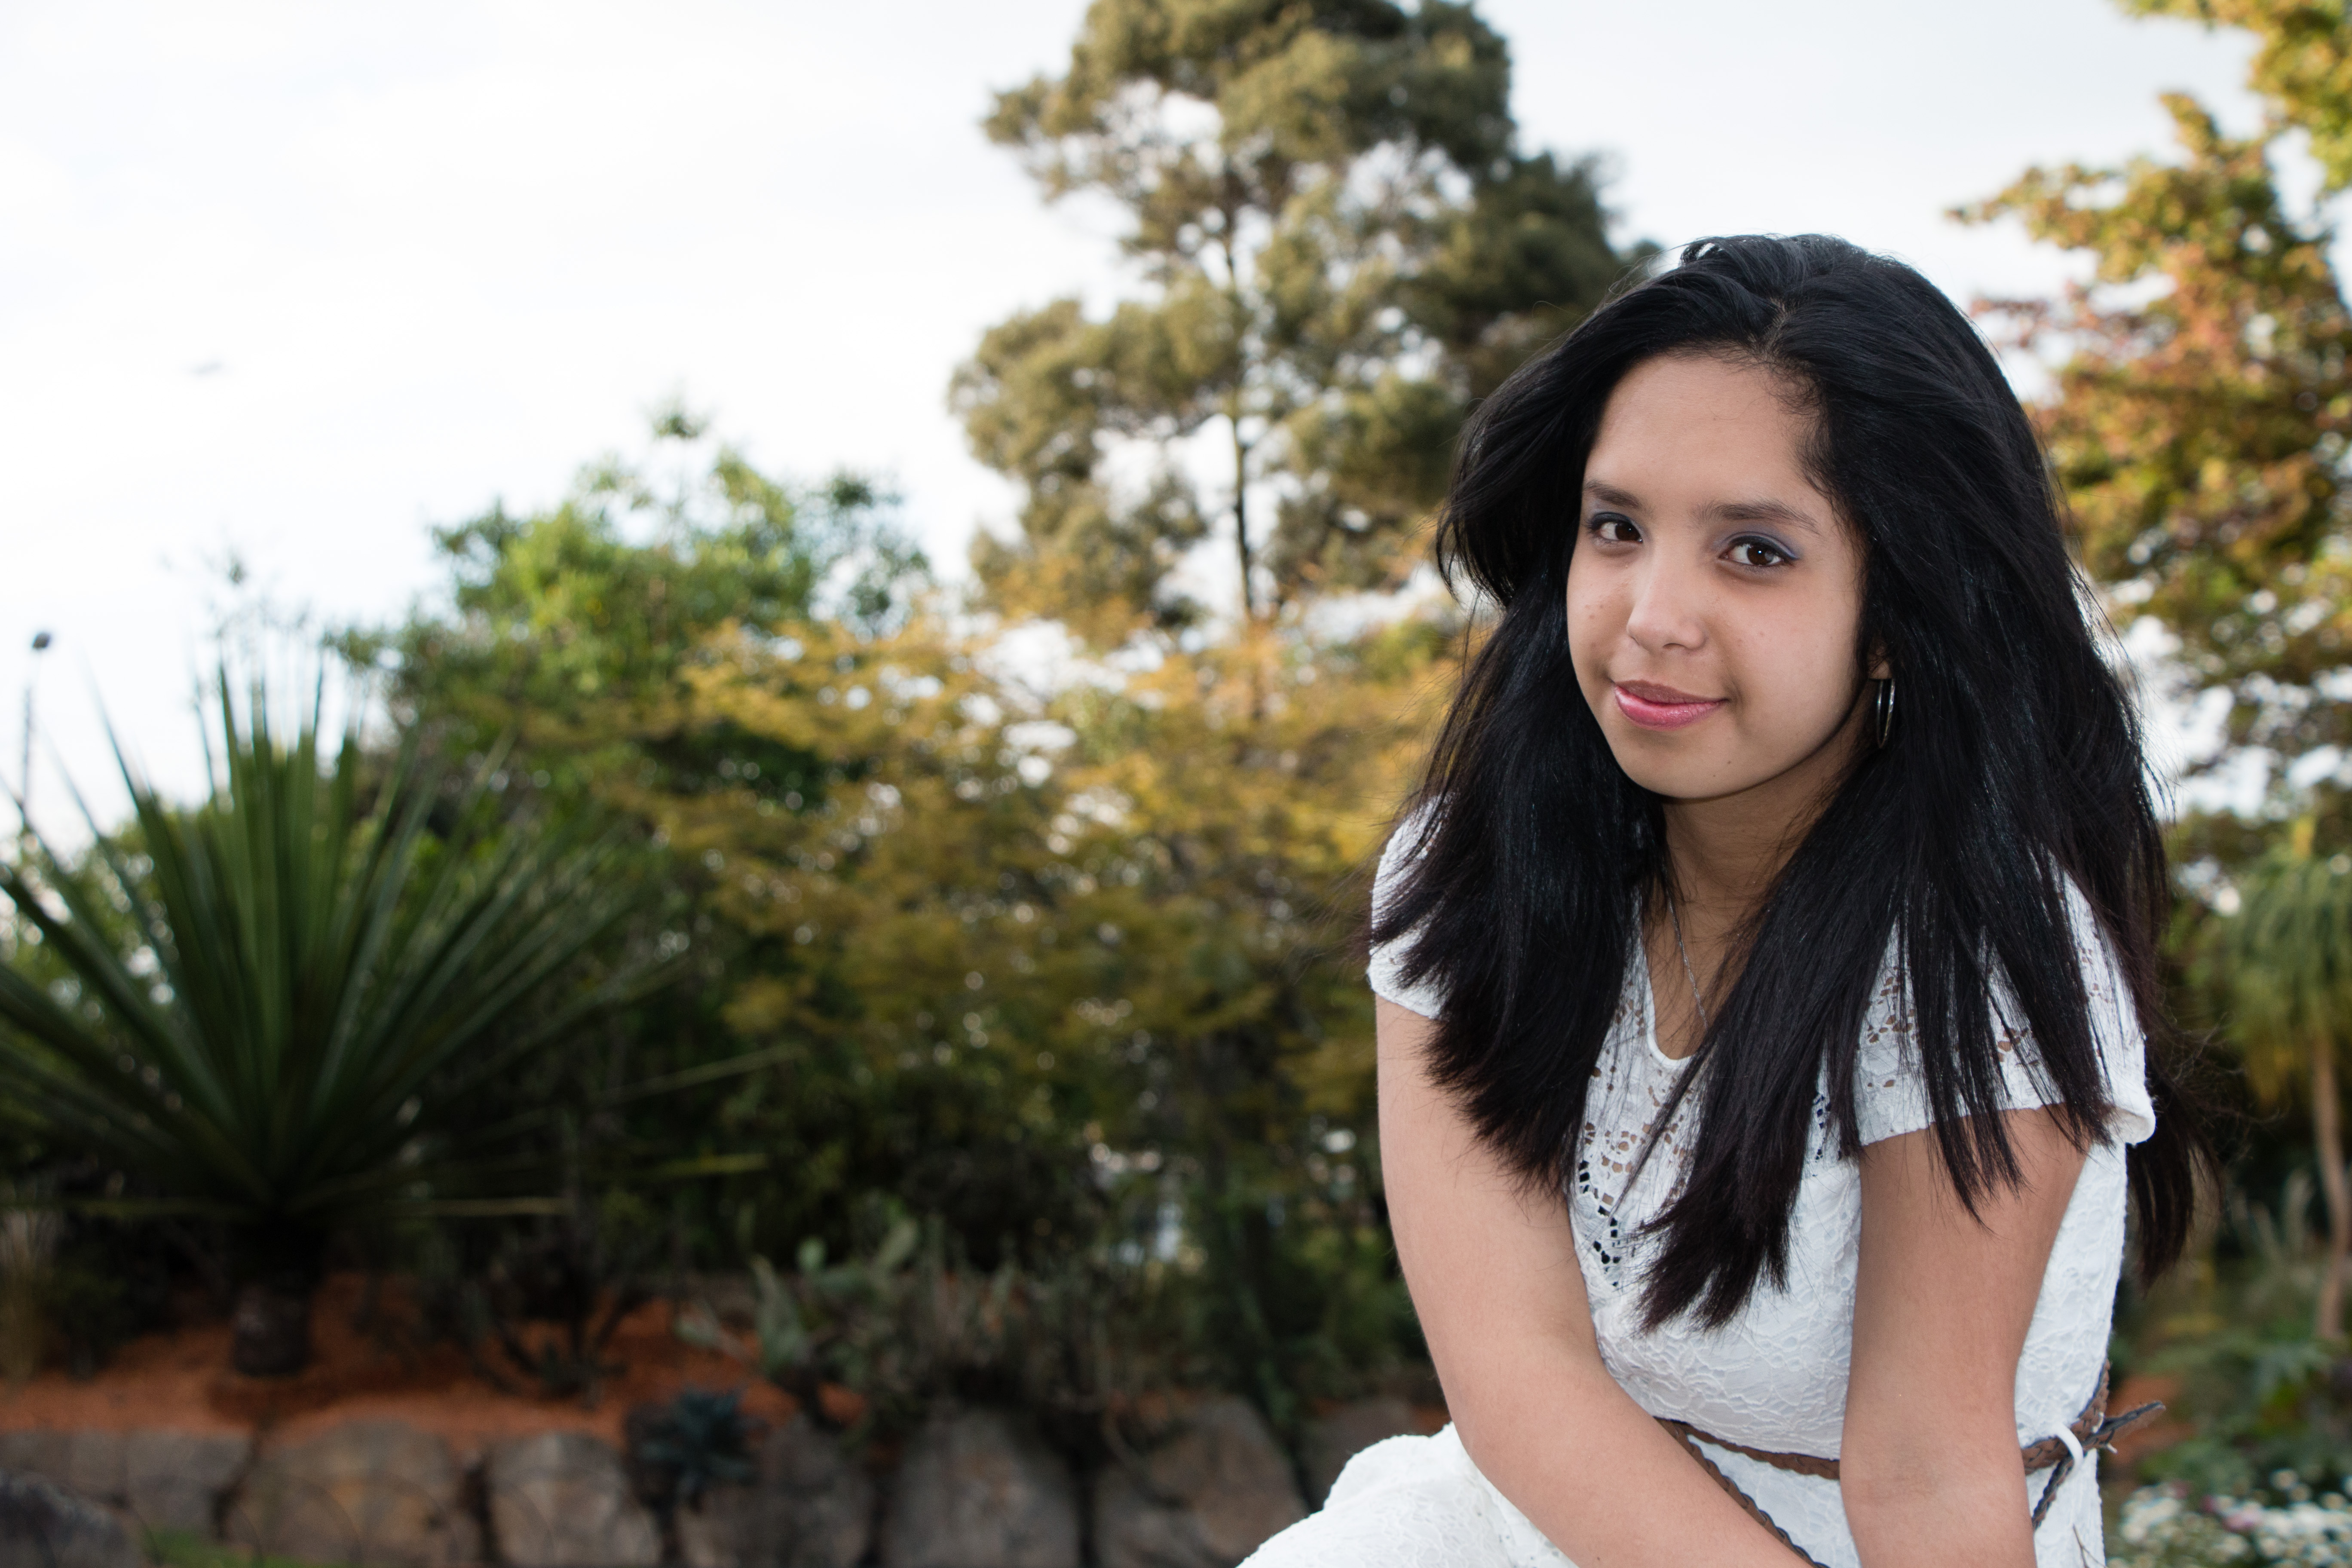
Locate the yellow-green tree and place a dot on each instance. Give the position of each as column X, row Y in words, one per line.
column 1067, row 970
column 2302, row 65
column 1121, row 911
column 2202, row 406
column 2199, row 425
column 572, row 632
column 2285, row 959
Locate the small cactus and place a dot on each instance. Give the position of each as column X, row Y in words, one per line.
column 702, row 1440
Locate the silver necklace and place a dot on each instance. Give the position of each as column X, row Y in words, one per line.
column 1689, row 973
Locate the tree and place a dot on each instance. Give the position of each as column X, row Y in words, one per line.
column 1064, row 971
column 569, row 630
column 2286, row 961
column 2201, row 415
column 310, row 983
column 583, row 631
column 1343, row 250
column 1105, row 915
column 2199, row 425
column 2302, row 67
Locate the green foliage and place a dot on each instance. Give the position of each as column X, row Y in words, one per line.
column 275, row 1004
column 574, row 631
column 2302, row 65
column 2199, row 426
column 702, row 1440
column 1110, row 924
column 1060, row 977
column 1075, row 1338
column 2283, row 962
column 90, row 1310
column 1345, row 249
column 190, row 1549
column 2256, row 1386
column 2286, row 960
column 2170, row 1527
column 2202, row 411
column 2158, row 1530
column 578, row 1273
column 569, row 630
column 1060, row 974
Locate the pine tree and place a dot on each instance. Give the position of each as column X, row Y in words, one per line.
column 1342, row 248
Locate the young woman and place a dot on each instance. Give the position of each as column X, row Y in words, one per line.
column 1765, row 967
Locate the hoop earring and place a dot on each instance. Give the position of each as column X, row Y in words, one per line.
column 1884, row 707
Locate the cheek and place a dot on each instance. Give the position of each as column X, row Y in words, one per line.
column 1594, row 616
column 1797, row 676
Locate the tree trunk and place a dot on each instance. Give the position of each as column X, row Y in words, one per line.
column 1231, row 245
column 277, row 1267
column 1241, row 516
column 2327, row 1129
column 270, row 1332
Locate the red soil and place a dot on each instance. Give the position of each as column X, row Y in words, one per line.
column 2163, row 1431
column 180, row 1381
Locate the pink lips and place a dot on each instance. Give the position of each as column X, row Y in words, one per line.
column 1654, row 707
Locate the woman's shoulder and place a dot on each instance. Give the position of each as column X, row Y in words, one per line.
column 1890, row 1086
column 1408, row 841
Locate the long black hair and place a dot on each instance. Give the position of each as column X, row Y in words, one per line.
column 2014, row 765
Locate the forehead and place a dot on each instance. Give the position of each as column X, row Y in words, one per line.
column 1692, row 430
column 1698, row 401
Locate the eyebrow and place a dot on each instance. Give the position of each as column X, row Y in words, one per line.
column 1762, row 510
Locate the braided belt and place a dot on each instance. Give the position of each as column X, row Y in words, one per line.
column 2093, row 1428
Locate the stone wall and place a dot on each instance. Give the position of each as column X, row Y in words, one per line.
column 971, row 1488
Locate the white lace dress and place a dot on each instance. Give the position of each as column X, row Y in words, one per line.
column 1774, row 1378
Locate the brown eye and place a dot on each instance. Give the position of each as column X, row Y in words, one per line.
column 1759, row 552
column 1612, row 529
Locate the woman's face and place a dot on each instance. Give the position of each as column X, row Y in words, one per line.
column 1713, row 597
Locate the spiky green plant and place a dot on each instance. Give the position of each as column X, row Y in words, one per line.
column 703, row 1440
column 277, row 1004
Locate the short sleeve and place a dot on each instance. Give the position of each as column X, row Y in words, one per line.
column 1890, row 1093
column 1387, row 968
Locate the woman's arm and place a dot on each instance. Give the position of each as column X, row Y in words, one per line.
column 1928, row 1462
column 1495, row 1279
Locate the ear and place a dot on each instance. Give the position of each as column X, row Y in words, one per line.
column 1879, row 669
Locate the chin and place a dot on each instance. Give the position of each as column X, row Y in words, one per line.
column 1692, row 776
column 1666, row 779
column 1672, row 789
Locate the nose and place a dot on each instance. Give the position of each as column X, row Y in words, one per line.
column 1669, row 610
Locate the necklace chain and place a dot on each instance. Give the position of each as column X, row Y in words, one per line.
column 1697, row 1000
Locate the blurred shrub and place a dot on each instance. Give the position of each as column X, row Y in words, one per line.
column 2259, row 1392
column 28, row 1246
column 701, row 1440
column 1054, row 966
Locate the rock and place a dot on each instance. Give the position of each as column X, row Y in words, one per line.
column 976, row 1490
column 563, row 1500
column 175, row 1480
column 1206, row 1498
column 1133, row 1531
column 1348, row 1431
column 44, row 1525
column 89, row 1463
column 371, row 1492
column 165, row 1480
column 811, row 1507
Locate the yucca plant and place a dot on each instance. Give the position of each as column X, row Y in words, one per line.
column 277, row 1005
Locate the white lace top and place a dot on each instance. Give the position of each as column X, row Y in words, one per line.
column 1774, row 1378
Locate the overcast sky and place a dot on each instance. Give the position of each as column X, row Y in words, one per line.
column 301, row 280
